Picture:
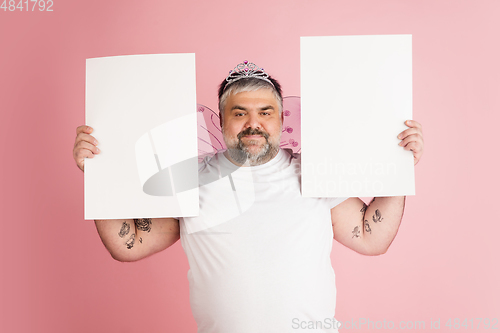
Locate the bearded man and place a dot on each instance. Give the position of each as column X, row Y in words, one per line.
column 259, row 252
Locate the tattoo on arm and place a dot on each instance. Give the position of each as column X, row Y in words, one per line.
column 367, row 227
column 377, row 217
column 143, row 224
column 363, row 209
column 124, row 230
column 355, row 232
column 130, row 242
column 140, row 240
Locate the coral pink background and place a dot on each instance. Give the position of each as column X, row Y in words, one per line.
column 56, row 276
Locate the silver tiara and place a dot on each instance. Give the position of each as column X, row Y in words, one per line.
column 247, row 70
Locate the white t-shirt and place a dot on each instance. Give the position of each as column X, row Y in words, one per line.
column 259, row 252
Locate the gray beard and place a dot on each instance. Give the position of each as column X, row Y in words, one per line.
column 240, row 154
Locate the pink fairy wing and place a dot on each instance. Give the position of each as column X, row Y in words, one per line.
column 210, row 138
column 290, row 136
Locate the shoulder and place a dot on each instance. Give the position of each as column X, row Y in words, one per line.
column 209, row 160
column 293, row 157
column 212, row 168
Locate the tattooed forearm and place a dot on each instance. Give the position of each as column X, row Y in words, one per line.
column 367, row 227
column 124, row 230
column 130, row 242
column 143, row 224
column 363, row 209
column 355, row 232
column 377, row 217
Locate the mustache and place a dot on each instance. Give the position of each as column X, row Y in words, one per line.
column 252, row 131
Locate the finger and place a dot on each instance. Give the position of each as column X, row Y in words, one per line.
column 408, row 132
column 84, row 129
column 413, row 124
column 82, row 151
column 417, row 157
column 80, row 157
column 86, row 138
column 82, row 154
column 416, row 150
column 85, row 146
column 410, row 138
column 413, row 146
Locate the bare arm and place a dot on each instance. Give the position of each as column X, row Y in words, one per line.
column 371, row 229
column 368, row 230
column 126, row 240
column 131, row 240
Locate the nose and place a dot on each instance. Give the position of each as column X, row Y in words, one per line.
column 253, row 121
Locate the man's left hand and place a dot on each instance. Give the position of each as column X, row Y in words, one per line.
column 413, row 139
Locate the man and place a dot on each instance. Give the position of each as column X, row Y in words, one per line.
column 259, row 252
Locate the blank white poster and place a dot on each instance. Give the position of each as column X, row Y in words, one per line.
column 143, row 111
column 356, row 93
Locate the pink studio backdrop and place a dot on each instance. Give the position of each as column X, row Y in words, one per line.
column 56, row 276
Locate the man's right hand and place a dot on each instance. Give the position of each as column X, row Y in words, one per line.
column 85, row 145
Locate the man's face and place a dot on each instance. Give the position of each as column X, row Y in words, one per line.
column 252, row 127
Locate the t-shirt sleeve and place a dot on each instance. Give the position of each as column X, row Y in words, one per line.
column 202, row 165
column 335, row 201
column 332, row 202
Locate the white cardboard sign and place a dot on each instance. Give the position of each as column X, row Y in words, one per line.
column 356, row 93
column 143, row 111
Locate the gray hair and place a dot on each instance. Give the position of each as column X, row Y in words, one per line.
column 248, row 84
